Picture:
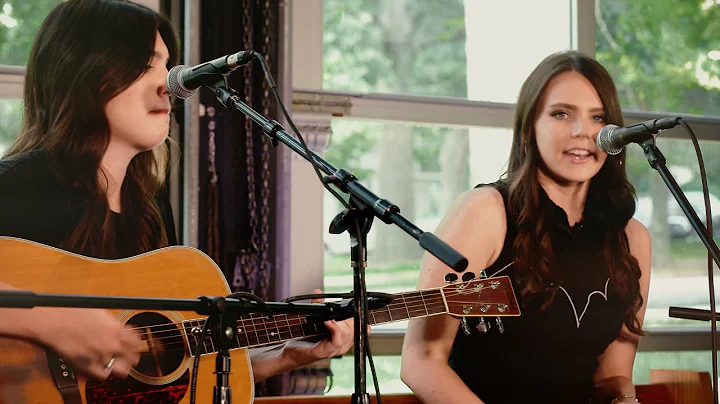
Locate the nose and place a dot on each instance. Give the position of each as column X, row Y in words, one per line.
column 581, row 127
column 162, row 82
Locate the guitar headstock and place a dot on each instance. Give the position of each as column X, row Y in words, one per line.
column 489, row 297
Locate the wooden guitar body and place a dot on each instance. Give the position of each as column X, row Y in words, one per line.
column 171, row 339
column 160, row 378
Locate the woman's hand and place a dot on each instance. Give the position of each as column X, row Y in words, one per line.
column 93, row 341
column 340, row 341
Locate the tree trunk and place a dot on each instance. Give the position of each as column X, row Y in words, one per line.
column 659, row 228
column 395, row 147
column 396, row 185
column 454, row 165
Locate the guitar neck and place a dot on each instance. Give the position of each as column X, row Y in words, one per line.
column 409, row 305
column 256, row 330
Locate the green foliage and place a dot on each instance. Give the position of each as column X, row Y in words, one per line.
column 654, row 48
column 352, row 57
column 18, row 25
column 428, row 142
column 359, row 57
column 10, row 114
column 657, row 52
column 16, row 41
column 350, row 142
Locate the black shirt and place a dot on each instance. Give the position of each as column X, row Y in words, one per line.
column 35, row 205
column 550, row 355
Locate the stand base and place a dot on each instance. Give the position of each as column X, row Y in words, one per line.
column 360, row 399
column 222, row 395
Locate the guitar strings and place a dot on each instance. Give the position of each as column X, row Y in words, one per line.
column 410, row 303
column 288, row 324
column 252, row 341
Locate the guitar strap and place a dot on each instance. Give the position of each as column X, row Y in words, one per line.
column 64, row 378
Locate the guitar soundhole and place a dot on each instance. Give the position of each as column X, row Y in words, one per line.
column 161, row 376
column 163, row 349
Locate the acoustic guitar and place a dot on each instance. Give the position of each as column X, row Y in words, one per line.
column 171, row 339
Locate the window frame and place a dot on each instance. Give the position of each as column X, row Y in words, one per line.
column 305, row 218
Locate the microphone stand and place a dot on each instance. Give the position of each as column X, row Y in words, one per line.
column 222, row 317
column 657, row 162
column 357, row 220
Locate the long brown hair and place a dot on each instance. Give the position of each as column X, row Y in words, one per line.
column 85, row 53
column 610, row 189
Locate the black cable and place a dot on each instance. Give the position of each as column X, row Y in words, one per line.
column 372, row 371
column 711, row 283
column 254, row 298
column 196, row 360
column 273, row 89
column 346, row 295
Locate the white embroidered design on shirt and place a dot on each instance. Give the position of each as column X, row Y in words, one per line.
column 578, row 319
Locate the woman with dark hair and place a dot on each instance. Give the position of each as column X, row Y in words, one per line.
column 560, row 225
column 86, row 174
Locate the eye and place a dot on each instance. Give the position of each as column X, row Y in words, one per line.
column 599, row 118
column 560, row 114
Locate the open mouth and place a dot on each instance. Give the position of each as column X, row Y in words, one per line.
column 579, row 155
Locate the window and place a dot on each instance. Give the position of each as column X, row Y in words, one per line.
column 387, row 369
column 19, row 22
column 449, row 48
column 679, row 270
column 690, row 360
column 11, row 118
column 450, row 71
column 664, row 55
column 421, row 169
column 669, row 62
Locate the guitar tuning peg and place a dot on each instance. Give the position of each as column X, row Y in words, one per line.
column 465, row 327
column 483, row 274
column 468, row 276
column 501, row 327
column 451, row 278
column 483, row 326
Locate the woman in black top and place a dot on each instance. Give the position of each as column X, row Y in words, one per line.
column 92, row 150
column 560, row 225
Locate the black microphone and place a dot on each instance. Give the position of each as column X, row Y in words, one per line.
column 612, row 138
column 183, row 81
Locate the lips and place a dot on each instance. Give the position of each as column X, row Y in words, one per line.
column 579, row 152
column 160, row 111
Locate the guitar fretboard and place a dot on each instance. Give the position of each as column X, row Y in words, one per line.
column 255, row 330
column 421, row 303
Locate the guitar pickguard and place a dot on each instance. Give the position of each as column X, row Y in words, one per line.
column 131, row 391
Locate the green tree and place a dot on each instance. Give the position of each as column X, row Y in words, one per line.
column 19, row 22
column 658, row 52
column 401, row 47
column 18, row 29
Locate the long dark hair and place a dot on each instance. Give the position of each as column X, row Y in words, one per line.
column 85, row 53
column 610, row 189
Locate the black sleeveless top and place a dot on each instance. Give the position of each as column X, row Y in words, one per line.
column 36, row 206
column 547, row 356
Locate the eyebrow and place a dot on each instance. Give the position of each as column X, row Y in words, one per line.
column 573, row 107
